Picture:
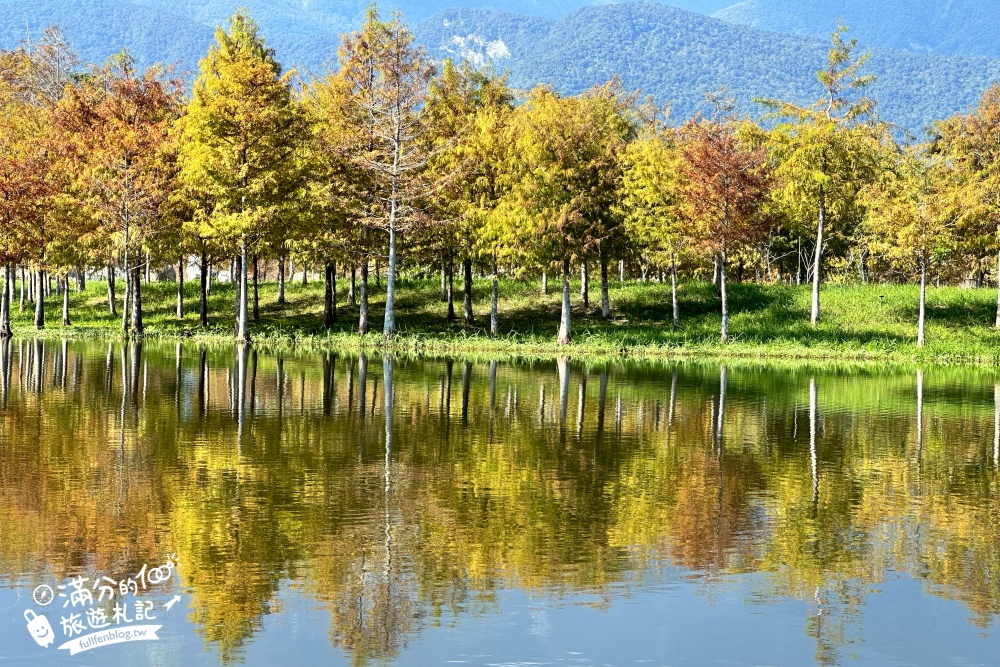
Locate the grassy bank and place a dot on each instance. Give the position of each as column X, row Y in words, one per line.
column 860, row 322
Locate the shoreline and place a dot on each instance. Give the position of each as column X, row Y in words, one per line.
column 509, row 347
column 862, row 324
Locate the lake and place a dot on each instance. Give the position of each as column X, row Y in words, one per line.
column 261, row 507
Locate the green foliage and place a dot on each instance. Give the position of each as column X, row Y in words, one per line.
column 912, row 210
column 241, row 131
column 570, row 149
column 652, row 197
column 469, row 114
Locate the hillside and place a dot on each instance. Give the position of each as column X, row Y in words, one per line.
column 673, row 54
column 304, row 32
column 955, row 27
column 100, row 28
column 679, row 56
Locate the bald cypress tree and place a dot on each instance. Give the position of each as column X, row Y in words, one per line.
column 241, row 134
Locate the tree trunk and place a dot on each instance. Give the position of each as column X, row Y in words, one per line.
column 673, row 291
column 40, row 304
column 451, row 290
column 208, row 280
column 725, row 295
column 494, row 303
column 605, row 297
column 621, row 270
column 81, row 280
column 243, row 332
column 715, row 278
column 585, row 285
column 206, row 273
column 305, row 274
column 149, row 270
column 281, row 280
column 378, row 275
column 21, row 306
column 564, row 322
column 330, row 296
column 798, row 265
column 180, row 289
column 8, row 288
column 234, row 273
column 136, row 300
column 351, row 298
column 363, row 325
column 817, row 260
column 545, row 283
column 389, row 325
column 469, row 317
column 256, row 290
column 923, row 302
column 65, row 300
column 444, row 281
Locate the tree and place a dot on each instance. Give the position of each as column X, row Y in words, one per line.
column 24, row 168
column 652, row 201
column 388, row 77
column 241, row 133
column 823, row 152
column 468, row 115
column 116, row 127
column 32, row 81
column 335, row 196
column 971, row 144
column 911, row 217
column 725, row 183
column 568, row 151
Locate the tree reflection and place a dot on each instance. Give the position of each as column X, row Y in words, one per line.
column 274, row 483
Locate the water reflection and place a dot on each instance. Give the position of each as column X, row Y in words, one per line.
column 269, row 472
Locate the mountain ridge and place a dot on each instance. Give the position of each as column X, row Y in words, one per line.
column 955, row 27
column 680, row 56
column 674, row 54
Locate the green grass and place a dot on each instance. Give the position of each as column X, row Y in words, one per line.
column 860, row 322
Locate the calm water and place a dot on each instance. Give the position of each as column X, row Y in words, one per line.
column 329, row 509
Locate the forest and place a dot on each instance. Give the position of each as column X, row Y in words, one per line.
column 395, row 163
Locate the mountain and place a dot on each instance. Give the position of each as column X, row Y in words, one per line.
column 949, row 27
column 674, row 54
column 679, row 56
column 100, row 28
column 303, row 32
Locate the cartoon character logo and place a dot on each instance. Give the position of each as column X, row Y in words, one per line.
column 39, row 628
